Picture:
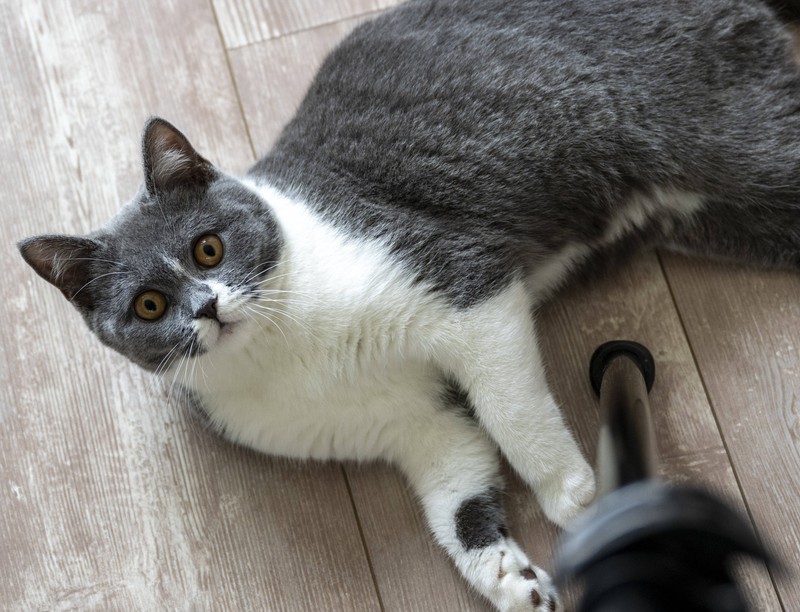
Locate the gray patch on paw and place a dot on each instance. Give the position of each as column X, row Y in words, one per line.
column 480, row 520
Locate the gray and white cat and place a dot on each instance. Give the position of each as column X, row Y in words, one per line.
column 365, row 291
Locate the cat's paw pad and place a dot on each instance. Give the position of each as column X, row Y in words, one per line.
column 566, row 494
column 524, row 587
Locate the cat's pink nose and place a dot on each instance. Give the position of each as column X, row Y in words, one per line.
column 208, row 310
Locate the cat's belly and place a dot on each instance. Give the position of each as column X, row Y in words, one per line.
column 294, row 409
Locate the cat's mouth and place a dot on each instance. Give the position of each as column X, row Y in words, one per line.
column 226, row 328
column 214, row 333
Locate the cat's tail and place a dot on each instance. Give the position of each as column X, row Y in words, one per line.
column 788, row 10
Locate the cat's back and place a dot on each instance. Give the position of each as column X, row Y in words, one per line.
column 447, row 126
column 488, row 96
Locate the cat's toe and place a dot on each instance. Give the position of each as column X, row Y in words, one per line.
column 566, row 494
column 525, row 587
column 544, row 598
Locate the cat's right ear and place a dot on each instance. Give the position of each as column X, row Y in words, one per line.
column 170, row 160
column 64, row 262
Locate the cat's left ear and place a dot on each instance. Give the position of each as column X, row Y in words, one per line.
column 170, row 160
column 64, row 262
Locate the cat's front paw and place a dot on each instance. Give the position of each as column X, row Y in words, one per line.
column 524, row 587
column 565, row 494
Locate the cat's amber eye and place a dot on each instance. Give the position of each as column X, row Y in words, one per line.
column 150, row 305
column 208, row 250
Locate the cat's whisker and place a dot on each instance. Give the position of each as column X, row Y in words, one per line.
column 175, row 376
column 261, row 273
column 178, row 381
column 281, row 275
column 270, row 294
column 279, row 291
column 181, row 370
column 284, row 313
column 116, row 263
column 191, row 379
column 90, row 281
column 263, row 290
column 281, row 313
column 255, row 272
column 203, row 372
column 187, row 373
column 274, row 322
column 213, row 368
column 251, row 317
column 272, row 300
column 268, row 317
column 164, row 363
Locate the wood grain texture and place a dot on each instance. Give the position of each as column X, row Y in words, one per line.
column 412, row 574
column 742, row 325
column 245, row 22
column 113, row 498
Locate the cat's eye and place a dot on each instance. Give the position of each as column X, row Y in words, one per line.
column 150, row 305
column 208, row 250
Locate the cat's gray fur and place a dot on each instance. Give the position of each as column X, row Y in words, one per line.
column 482, row 141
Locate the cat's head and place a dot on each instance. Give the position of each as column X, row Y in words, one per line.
column 178, row 269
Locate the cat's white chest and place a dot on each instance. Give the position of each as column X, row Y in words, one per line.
column 297, row 404
column 337, row 361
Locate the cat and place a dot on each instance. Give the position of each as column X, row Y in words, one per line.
column 366, row 290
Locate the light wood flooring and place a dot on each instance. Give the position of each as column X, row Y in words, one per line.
column 113, row 499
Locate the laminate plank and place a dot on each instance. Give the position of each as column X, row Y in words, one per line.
column 412, row 574
column 244, row 22
column 112, row 496
column 742, row 326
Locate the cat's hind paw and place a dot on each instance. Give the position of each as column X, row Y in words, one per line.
column 564, row 495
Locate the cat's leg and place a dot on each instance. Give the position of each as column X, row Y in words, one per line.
column 496, row 359
column 454, row 469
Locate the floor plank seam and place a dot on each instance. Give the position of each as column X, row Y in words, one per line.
column 232, row 75
column 717, row 424
column 363, row 539
column 310, row 28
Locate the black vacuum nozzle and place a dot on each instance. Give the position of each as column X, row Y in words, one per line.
column 607, row 352
column 645, row 546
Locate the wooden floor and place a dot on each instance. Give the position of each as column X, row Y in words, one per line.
column 114, row 500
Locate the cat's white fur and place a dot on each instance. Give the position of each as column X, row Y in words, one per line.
column 549, row 276
column 641, row 207
column 345, row 357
